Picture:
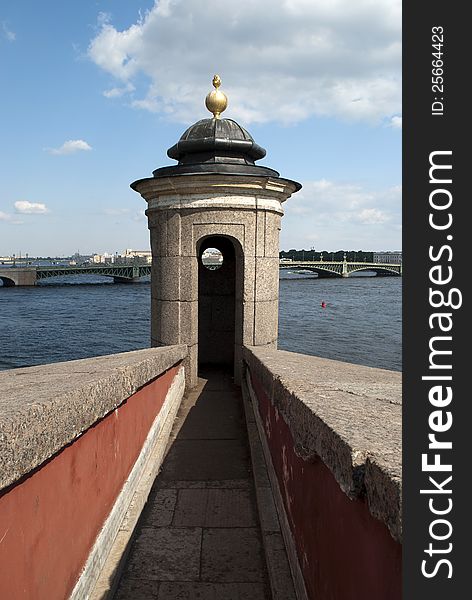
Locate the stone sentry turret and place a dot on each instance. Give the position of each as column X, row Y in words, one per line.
column 215, row 197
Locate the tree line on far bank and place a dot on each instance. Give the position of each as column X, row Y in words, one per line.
column 351, row 255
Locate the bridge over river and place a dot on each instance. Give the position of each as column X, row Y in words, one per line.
column 341, row 268
column 31, row 275
column 21, row 276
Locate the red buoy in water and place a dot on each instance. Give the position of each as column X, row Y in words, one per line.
column 323, row 304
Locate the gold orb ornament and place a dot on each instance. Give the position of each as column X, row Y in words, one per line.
column 216, row 101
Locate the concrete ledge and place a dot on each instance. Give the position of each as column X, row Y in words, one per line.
column 44, row 408
column 348, row 415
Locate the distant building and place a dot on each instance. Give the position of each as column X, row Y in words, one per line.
column 392, row 258
column 145, row 254
column 102, row 258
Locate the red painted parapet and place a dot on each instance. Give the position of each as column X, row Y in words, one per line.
column 50, row 516
column 336, row 460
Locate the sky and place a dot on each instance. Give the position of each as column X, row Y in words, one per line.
column 93, row 93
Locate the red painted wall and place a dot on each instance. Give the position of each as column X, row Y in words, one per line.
column 344, row 552
column 49, row 521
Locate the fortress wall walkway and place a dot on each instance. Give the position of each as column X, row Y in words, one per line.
column 82, row 442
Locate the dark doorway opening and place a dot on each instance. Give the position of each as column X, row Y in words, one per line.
column 216, row 304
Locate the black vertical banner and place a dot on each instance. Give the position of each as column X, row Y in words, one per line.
column 437, row 324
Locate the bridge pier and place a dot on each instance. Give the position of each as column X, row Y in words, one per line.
column 12, row 277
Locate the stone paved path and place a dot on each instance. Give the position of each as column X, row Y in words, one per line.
column 199, row 535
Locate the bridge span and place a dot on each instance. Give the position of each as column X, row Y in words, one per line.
column 341, row 268
column 31, row 275
column 22, row 276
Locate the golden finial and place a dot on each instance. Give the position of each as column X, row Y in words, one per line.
column 216, row 101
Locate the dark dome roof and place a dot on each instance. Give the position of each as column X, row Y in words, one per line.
column 216, row 146
column 219, row 139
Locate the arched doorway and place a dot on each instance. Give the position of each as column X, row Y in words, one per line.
column 219, row 300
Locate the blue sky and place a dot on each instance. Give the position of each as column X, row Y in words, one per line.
column 93, row 93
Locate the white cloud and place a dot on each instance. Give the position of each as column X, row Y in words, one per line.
column 25, row 207
column 372, row 216
column 396, row 122
column 279, row 60
column 8, row 218
column 70, row 147
column 117, row 92
column 333, row 215
column 7, row 33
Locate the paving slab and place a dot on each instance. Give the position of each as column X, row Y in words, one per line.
column 217, row 380
column 213, row 591
column 206, row 459
column 213, row 417
column 234, row 484
column 166, row 554
column 159, row 510
column 232, row 555
column 138, row 589
column 215, row 508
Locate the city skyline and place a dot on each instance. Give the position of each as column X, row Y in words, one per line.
column 95, row 103
column 27, row 255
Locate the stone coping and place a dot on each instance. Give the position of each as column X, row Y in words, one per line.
column 215, row 184
column 46, row 407
column 348, row 415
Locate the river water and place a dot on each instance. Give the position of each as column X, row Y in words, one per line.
column 77, row 317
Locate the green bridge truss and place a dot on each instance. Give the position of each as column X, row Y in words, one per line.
column 341, row 268
column 120, row 272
